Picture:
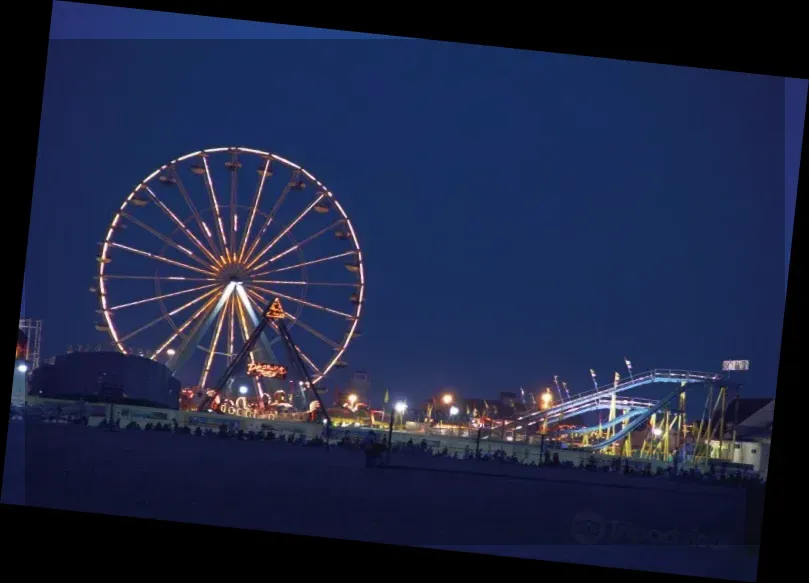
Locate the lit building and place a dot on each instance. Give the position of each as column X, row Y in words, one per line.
column 748, row 433
column 110, row 376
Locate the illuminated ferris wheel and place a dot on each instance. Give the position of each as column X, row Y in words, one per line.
column 189, row 263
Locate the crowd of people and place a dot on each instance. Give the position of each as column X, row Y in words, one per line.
column 376, row 450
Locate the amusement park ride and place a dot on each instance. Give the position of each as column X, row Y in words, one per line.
column 274, row 316
column 665, row 420
column 232, row 259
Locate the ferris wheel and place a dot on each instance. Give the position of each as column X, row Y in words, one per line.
column 190, row 261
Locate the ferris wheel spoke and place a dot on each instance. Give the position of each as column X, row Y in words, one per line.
column 306, row 263
column 212, row 348
column 161, row 297
column 234, row 182
column 160, row 258
column 166, row 316
column 191, row 319
column 303, row 355
column 215, row 205
column 196, row 214
column 243, row 326
column 158, row 277
column 314, row 332
column 257, row 239
column 185, row 230
column 300, row 244
column 305, row 303
column 319, row 283
column 165, row 239
column 231, row 319
column 193, row 339
column 286, row 230
column 300, row 323
column 254, row 208
column 237, row 306
column 248, row 308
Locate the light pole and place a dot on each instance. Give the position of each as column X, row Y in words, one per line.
column 453, row 411
column 399, row 408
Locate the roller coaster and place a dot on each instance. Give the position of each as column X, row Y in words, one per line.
column 634, row 411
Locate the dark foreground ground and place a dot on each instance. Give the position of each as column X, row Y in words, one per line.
column 565, row 515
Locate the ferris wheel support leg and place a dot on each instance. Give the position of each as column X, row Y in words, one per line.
column 251, row 313
column 187, row 348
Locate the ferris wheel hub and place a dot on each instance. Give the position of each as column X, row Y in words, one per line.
column 233, row 273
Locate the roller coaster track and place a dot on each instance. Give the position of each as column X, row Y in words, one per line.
column 634, row 424
column 607, row 424
column 600, row 398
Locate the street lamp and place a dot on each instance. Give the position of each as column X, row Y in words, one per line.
column 22, row 367
column 453, row 411
column 400, row 408
column 447, row 399
column 171, row 352
column 243, row 390
column 352, row 398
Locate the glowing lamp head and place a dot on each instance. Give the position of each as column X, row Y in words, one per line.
column 171, row 352
column 352, row 398
column 243, row 390
column 447, row 399
column 657, row 431
column 547, row 398
column 22, row 367
column 400, row 407
column 454, row 410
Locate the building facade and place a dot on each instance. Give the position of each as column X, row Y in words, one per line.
column 107, row 376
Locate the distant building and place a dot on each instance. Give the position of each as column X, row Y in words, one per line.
column 107, row 376
column 748, row 432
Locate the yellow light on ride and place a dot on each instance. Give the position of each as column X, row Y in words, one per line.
column 352, row 399
column 547, row 398
column 447, row 399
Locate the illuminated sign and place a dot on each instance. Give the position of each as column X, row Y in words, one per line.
column 276, row 311
column 268, row 371
column 731, row 365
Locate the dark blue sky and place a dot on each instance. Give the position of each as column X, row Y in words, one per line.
column 521, row 214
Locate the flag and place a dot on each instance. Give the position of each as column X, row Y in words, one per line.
column 387, row 397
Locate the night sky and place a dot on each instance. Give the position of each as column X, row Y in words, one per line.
column 521, row 214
